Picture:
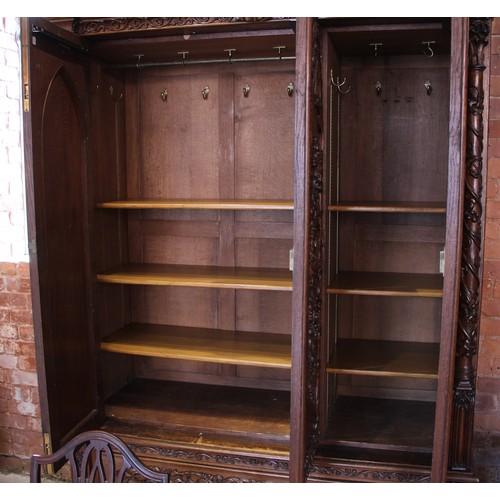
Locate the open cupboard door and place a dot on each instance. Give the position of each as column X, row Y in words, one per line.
column 56, row 115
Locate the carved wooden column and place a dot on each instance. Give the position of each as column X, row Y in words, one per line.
column 315, row 256
column 469, row 308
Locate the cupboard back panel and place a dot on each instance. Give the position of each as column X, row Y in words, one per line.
column 179, row 141
column 397, row 142
column 264, row 136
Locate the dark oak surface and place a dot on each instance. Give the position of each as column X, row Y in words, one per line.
column 253, row 415
column 385, row 424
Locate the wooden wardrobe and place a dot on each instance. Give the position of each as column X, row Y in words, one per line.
column 256, row 242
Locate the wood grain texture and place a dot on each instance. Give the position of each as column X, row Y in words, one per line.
column 388, row 284
column 385, row 359
column 202, row 344
column 388, row 206
column 198, row 204
column 200, row 276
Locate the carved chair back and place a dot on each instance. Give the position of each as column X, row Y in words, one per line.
column 98, row 457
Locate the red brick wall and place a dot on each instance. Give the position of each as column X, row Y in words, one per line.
column 20, row 429
column 487, row 417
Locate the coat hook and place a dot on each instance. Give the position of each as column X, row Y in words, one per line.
column 139, row 57
column 279, row 48
column 246, row 90
column 428, row 49
column 230, row 52
column 111, row 91
column 428, row 86
column 183, row 53
column 339, row 84
column 290, row 88
column 205, row 92
column 164, row 94
column 378, row 87
column 375, row 48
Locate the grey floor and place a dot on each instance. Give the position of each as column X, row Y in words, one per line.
column 8, row 477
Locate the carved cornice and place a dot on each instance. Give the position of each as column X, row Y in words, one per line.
column 131, row 24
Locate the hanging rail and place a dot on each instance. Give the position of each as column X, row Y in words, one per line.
column 186, row 62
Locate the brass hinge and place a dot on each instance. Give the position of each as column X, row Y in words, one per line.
column 25, row 63
column 26, row 97
column 47, row 448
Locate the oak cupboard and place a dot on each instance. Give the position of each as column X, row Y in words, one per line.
column 255, row 242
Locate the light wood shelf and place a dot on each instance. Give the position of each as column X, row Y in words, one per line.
column 385, row 358
column 243, row 278
column 388, row 284
column 198, row 204
column 388, row 207
column 270, row 350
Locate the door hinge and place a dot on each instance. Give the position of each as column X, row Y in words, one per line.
column 25, row 51
column 26, row 97
column 47, row 448
column 441, row 261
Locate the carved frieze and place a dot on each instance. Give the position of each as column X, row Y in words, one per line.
column 214, row 458
column 353, row 473
column 130, row 24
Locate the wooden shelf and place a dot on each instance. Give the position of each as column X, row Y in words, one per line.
column 198, row 204
column 245, row 278
column 389, row 207
column 253, row 415
column 270, row 350
column 383, row 424
column 385, row 358
column 388, row 284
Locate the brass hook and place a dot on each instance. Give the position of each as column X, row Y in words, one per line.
column 337, row 83
column 164, row 94
column 205, row 93
column 375, row 48
column 246, row 90
column 230, row 52
column 378, row 87
column 290, row 89
column 430, row 52
column 139, row 57
column 112, row 91
column 278, row 48
column 183, row 53
column 428, row 86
